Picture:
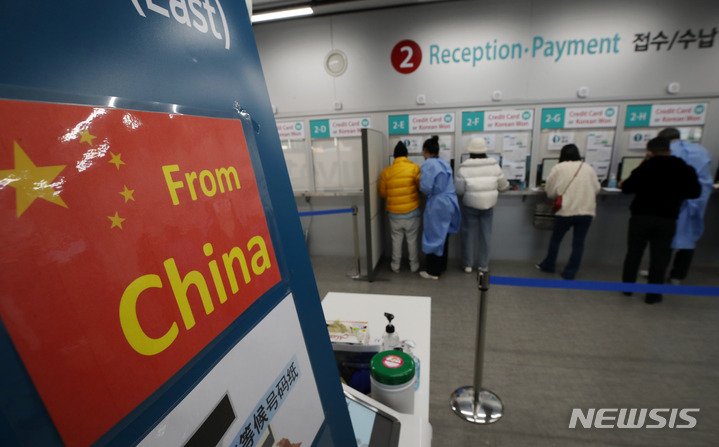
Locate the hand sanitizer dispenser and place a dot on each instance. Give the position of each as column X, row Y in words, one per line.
column 390, row 339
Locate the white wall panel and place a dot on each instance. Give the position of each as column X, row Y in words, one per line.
column 292, row 56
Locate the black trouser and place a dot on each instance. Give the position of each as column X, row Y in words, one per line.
column 682, row 261
column 658, row 232
column 438, row 264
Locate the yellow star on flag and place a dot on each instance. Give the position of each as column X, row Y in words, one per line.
column 127, row 194
column 116, row 221
column 87, row 137
column 116, row 160
column 31, row 182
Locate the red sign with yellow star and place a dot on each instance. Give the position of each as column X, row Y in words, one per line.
column 130, row 241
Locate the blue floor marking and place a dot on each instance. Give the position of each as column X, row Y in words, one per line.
column 603, row 286
column 320, row 213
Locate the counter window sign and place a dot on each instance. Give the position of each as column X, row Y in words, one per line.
column 398, row 124
column 406, row 56
column 638, row 116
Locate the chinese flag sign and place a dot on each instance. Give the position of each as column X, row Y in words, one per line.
column 130, row 241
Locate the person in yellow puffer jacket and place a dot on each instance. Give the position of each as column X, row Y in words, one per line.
column 399, row 184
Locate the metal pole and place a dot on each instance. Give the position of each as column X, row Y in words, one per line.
column 357, row 250
column 483, row 285
column 474, row 403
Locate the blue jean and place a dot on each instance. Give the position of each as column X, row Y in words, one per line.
column 564, row 223
column 476, row 234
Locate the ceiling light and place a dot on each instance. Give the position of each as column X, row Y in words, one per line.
column 284, row 14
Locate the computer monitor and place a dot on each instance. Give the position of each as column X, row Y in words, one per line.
column 544, row 168
column 627, row 165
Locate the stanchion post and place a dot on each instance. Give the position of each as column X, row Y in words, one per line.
column 356, row 237
column 474, row 403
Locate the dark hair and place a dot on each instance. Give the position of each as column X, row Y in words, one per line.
column 658, row 146
column 570, row 152
column 400, row 150
column 431, row 145
column 670, row 133
column 477, row 155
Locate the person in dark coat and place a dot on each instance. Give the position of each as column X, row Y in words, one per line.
column 660, row 185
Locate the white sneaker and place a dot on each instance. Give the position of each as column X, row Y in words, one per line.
column 468, row 270
column 426, row 275
column 674, row 282
column 644, row 273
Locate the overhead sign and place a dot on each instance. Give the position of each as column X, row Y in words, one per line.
column 147, row 237
column 424, row 123
column 292, row 130
column 208, row 20
column 666, row 115
column 337, row 128
column 497, row 120
column 407, row 54
column 579, row 117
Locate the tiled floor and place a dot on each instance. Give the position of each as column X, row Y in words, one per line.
column 549, row 351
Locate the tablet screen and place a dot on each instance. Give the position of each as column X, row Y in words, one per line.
column 372, row 427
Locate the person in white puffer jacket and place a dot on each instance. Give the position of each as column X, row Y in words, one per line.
column 479, row 180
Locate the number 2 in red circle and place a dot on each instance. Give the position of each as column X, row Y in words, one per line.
column 406, row 56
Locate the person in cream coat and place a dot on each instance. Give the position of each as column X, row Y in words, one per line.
column 479, row 180
column 578, row 185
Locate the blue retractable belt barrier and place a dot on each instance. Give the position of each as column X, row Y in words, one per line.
column 320, row 213
column 604, row 286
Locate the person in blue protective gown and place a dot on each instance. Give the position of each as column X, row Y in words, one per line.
column 441, row 212
column 690, row 223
